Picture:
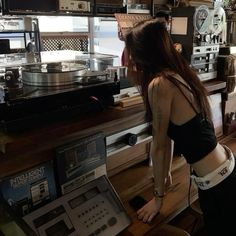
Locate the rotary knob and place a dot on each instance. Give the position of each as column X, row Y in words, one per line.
column 131, row 139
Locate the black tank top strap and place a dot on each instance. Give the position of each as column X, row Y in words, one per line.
column 175, row 82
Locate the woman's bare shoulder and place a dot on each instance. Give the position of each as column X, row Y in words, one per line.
column 160, row 82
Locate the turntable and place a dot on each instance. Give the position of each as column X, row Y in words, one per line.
column 60, row 74
column 52, row 74
column 53, row 91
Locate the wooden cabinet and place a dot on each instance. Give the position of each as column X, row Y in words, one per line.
column 21, row 151
column 129, row 170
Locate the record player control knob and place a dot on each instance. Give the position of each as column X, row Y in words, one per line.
column 131, row 139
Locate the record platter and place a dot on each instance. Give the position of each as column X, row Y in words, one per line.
column 61, row 74
column 52, row 74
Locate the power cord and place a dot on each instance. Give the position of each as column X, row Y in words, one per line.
column 190, row 185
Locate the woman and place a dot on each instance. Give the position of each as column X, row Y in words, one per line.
column 177, row 104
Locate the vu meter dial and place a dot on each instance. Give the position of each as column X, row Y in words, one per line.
column 201, row 19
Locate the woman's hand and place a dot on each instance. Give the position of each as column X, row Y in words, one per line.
column 150, row 210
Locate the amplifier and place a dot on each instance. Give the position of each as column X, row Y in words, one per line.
column 74, row 5
column 204, row 58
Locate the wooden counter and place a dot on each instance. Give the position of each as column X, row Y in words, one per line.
column 25, row 150
column 138, row 181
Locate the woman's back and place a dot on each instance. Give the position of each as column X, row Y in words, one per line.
column 192, row 133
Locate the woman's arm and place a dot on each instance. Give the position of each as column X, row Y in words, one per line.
column 160, row 98
column 167, row 164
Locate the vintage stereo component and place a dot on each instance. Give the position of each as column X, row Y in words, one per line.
column 194, row 27
column 108, row 7
column 127, row 148
column 29, row 190
column 204, row 60
column 93, row 209
column 74, row 6
column 205, row 68
column 138, row 8
column 80, row 161
column 199, row 30
column 11, row 24
column 103, row 8
column 53, row 92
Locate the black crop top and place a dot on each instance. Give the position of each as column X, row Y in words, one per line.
column 195, row 138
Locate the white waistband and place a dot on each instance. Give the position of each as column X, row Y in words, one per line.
column 218, row 175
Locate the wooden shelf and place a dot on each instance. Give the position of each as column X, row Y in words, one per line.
column 21, row 151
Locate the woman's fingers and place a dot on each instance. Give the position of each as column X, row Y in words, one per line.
column 146, row 216
column 151, row 217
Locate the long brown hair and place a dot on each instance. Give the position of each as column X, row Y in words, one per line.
column 152, row 51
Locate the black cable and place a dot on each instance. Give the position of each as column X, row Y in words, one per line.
column 190, row 185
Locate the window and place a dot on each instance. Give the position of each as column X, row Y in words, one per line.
column 106, row 36
column 63, row 24
column 101, row 32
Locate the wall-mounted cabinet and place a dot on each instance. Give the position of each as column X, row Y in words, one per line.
column 109, row 7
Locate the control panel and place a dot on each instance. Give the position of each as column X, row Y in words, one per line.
column 74, row 5
column 93, row 209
